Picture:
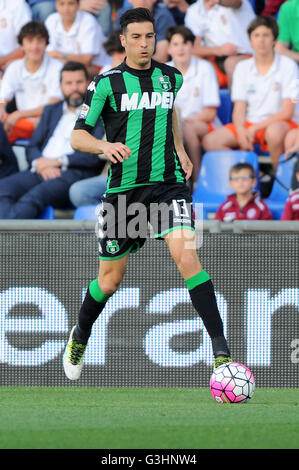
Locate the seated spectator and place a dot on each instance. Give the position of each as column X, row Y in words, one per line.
column 13, row 15
column 178, row 9
column 88, row 191
column 8, row 160
column 291, row 209
column 288, row 38
column 32, row 81
column 220, row 31
column 272, row 7
column 262, row 93
column 198, row 98
column 41, row 9
column 74, row 35
column 102, row 11
column 114, row 50
column 292, row 146
column 244, row 203
column 163, row 19
column 54, row 165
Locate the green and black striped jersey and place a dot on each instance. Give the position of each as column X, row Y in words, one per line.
column 136, row 107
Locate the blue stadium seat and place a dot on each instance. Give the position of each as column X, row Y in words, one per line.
column 253, row 5
column 48, row 213
column 21, row 143
column 86, row 213
column 213, row 181
column 226, row 106
column 277, row 199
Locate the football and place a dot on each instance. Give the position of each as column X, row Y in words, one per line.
column 232, row 383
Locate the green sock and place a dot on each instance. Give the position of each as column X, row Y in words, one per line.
column 196, row 280
column 96, row 292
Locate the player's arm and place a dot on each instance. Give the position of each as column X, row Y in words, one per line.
column 184, row 159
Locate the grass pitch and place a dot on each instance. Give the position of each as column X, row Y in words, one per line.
column 111, row 418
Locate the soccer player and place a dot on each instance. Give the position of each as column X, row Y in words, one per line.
column 148, row 165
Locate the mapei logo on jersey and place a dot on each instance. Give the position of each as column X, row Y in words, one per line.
column 146, row 101
column 164, row 83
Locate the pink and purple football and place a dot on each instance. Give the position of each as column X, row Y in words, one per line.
column 232, row 383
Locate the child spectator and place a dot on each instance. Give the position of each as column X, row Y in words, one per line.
column 262, row 92
column 114, row 50
column 32, row 81
column 13, row 15
column 75, row 35
column 198, row 98
column 244, row 203
column 220, row 30
column 291, row 209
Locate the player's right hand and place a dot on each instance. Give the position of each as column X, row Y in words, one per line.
column 116, row 151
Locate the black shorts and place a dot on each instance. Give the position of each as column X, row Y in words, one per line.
column 124, row 217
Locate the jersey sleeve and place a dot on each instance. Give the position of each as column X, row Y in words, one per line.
column 287, row 211
column 93, row 105
column 10, row 83
column 210, row 89
column 266, row 213
column 178, row 82
column 283, row 23
column 238, row 92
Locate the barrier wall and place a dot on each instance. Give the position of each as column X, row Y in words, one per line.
column 149, row 335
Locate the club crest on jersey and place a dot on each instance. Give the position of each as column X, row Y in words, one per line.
column 164, row 83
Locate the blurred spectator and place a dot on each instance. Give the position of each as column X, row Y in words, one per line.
column 244, row 203
column 198, row 98
column 8, row 160
column 74, row 35
column 114, row 50
column 272, row 7
column 262, row 93
column 54, row 165
column 32, row 81
column 288, row 38
column 291, row 147
column 291, row 209
column 90, row 190
column 178, row 9
column 13, row 15
column 220, row 30
column 102, row 12
column 163, row 19
column 41, row 9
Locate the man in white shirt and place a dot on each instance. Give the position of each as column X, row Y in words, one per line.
column 262, row 92
column 32, row 81
column 198, row 98
column 75, row 35
column 13, row 15
column 54, row 165
column 220, row 29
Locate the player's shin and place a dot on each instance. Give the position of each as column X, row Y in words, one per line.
column 93, row 304
column 203, row 298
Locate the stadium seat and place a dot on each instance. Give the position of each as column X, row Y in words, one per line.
column 226, row 106
column 213, row 181
column 253, row 5
column 277, row 199
column 21, row 143
column 48, row 213
column 86, row 213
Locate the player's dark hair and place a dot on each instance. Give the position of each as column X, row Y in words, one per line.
column 113, row 44
column 267, row 21
column 31, row 29
column 136, row 15
column 242, row 166
column 73, row 67
column 185, row 32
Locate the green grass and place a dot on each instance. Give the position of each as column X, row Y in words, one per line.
column 111, row 418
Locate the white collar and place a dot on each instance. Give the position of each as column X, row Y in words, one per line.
column 273, row 68
column 39, row 73
column 73, row 31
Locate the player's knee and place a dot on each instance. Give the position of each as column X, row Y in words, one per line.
column 186, row 259
column 109, row 284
